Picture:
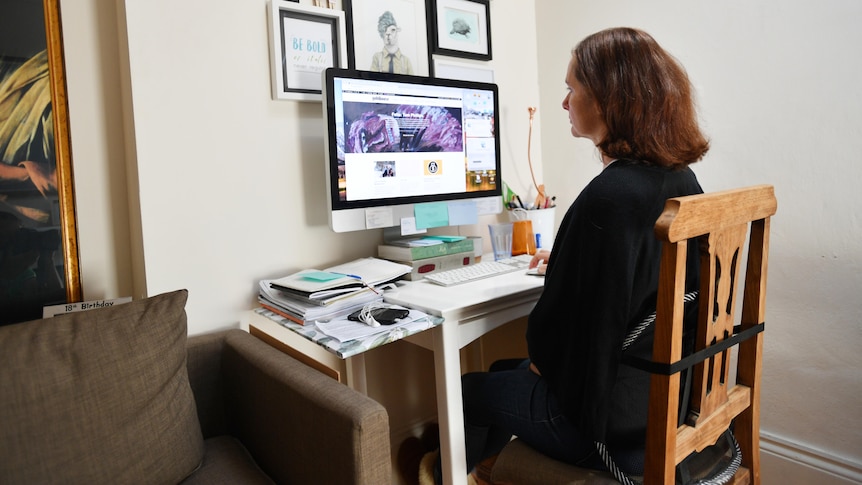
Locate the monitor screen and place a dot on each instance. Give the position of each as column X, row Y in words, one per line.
column 398, row 145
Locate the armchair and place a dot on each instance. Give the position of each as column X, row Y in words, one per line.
column 121, row 395
column 299, row 425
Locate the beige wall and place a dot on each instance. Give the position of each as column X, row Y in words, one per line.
column 225, row 185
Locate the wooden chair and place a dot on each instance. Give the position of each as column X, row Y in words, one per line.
column 721, row 222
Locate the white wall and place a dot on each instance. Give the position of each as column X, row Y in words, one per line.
column 98, row 147
column 230, row 181
column 779, row 90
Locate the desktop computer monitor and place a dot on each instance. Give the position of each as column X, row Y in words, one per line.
column 400, row 146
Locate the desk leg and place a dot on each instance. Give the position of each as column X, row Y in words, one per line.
column 447, row 365
column 356, row 373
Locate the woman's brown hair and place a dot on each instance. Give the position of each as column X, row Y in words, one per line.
column 644, row 95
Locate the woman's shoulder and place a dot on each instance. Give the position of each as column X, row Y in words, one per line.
column 640, row 178
column 629, row 188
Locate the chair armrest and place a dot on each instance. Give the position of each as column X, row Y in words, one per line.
column 300, row 425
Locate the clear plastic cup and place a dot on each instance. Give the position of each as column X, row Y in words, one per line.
column 501, row 240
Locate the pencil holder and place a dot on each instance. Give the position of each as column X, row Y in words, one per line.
column 542, row 221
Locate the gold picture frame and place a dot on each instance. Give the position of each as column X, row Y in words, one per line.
column 48, row 183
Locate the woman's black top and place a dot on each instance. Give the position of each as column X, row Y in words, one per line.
column 602, row 280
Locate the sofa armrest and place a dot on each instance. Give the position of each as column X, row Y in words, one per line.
column 205, row 377
column 300, row 425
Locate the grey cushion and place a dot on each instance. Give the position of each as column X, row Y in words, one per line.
column 99, row 397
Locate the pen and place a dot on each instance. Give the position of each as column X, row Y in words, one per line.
column 519, row 201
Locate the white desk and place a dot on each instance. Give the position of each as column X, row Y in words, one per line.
column 470, row 310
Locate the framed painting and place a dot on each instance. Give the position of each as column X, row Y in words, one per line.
column 304, row 41
column 39, row 263
column 460, row 28
column 388, row 36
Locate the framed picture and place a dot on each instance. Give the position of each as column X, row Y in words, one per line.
column 460, row 28
column 450, row 69
column 304, row 41
column 38, row 232
column 388, row 36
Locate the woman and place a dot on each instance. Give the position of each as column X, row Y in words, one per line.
column 634, row 102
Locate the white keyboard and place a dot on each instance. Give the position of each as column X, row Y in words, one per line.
column 478, row 271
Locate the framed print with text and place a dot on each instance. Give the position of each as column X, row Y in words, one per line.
column 388, row 36
column 39, row 263
column 304, row 41
column 460, row 28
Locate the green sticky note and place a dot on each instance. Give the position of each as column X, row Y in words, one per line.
column 463, row 212
column 431, row 214
column 447, row 238
column 321, row 276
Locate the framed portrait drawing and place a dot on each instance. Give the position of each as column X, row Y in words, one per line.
column 38, row 232
column 460, row 28
column 387, row 36
column 304, row 41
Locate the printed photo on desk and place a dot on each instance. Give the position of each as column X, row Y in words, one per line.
column 304, row 41
column 387, row 36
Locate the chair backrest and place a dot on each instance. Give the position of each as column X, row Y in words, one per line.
column 721, row 222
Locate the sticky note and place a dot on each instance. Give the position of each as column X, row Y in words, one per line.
column 378, row 217
column 462, row 212
column 321, row 276
column 489, row 205
column 445, row 239
column 408, row 226
column 431, row 214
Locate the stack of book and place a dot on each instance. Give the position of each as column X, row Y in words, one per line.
column 430, row 254
column 310, row 295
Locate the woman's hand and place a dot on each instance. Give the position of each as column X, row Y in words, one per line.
column 540, row 260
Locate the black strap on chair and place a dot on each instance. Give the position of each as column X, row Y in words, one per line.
column 695, row 358
column 717, row 463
